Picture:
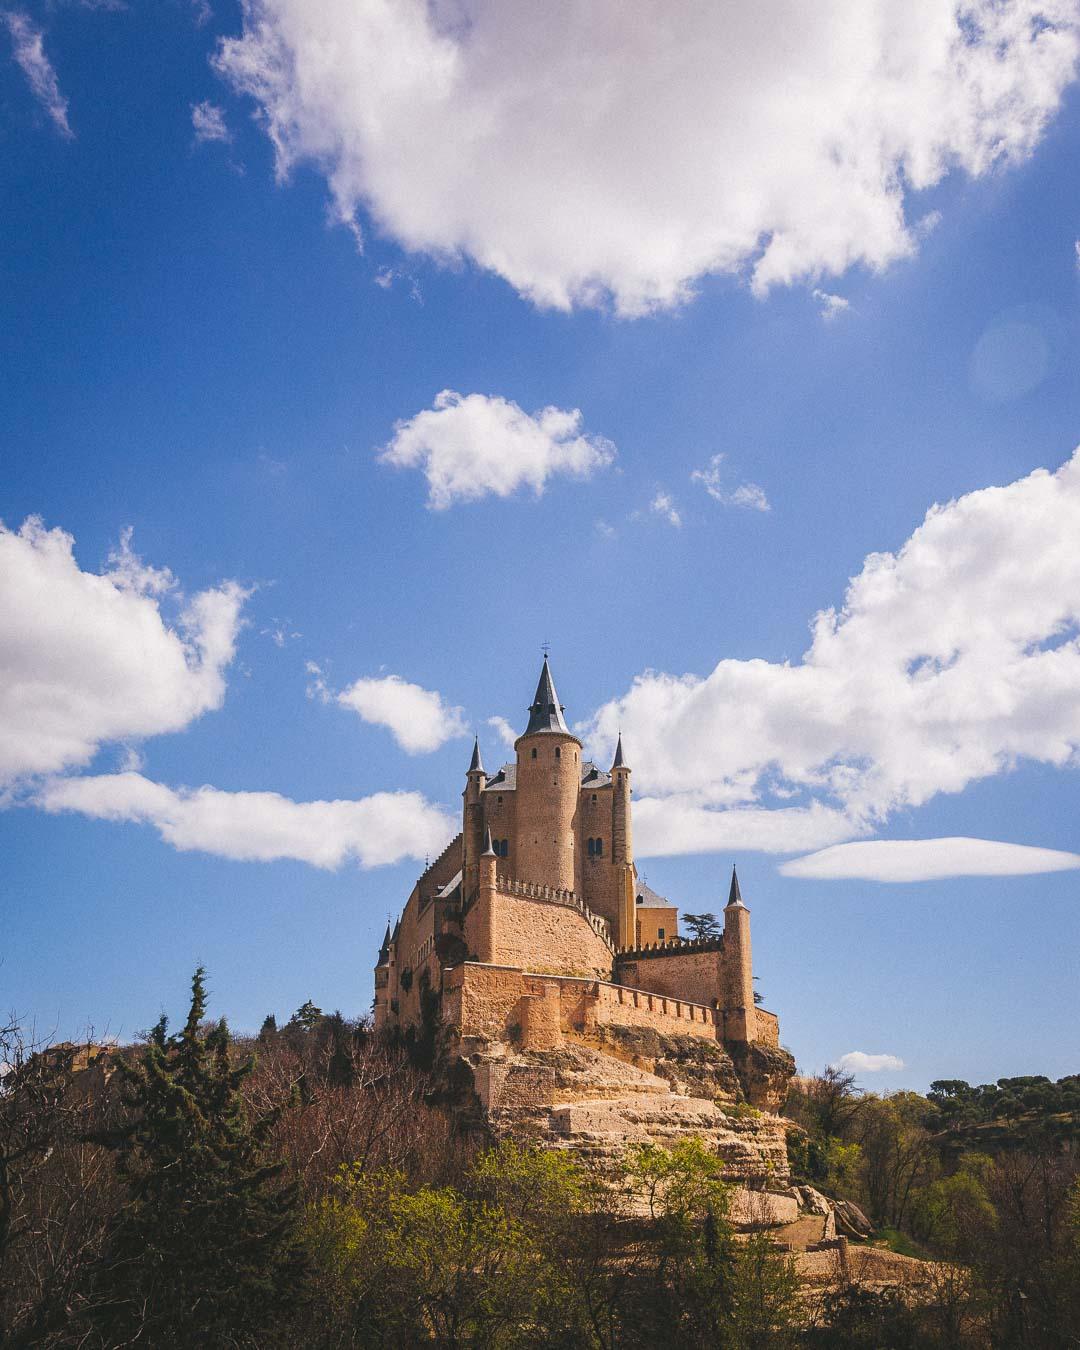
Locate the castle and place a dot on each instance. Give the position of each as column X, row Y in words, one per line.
column 532, row 934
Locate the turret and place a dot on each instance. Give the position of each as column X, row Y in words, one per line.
column 472, row 827
column 738, row 993
column 382, row 982
column 482, row 919
column 548, row 781
column 622, row 848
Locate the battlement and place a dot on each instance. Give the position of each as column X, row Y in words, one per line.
column 673, row 947
column 554, row 895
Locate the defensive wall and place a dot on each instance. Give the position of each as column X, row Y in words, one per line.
column 545, row 929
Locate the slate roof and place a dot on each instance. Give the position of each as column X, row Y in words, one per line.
column 647, row 898
column 592, row 777
column 449, row 889
column 545, row 711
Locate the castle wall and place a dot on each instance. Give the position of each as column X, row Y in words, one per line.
column 768, row 1027
column 493, row 1002
column 500, row 817
column 655, row 923
column 678, row 973
column 548, row 937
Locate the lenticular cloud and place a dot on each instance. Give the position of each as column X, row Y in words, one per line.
column 588, row 157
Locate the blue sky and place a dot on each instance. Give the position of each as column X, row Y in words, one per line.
column 864, row 307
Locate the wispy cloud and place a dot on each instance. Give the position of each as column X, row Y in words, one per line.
column 858, row 1061
column 208, row 123
column 711, row 478
column 832, row 306
column 506, row 732
column 28, row 49
column 663, row 505
column 928, row 860
column 418, row 719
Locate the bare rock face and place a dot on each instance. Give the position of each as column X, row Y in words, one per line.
column 599, row 1101
column 765, row 1071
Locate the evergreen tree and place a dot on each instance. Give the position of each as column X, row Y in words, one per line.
column 205, row 1252
column 702, row 927
column 306, row 1018
column 268, row 1030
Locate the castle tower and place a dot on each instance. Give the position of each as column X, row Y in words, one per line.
column 472, row 829
column 740, row 1022
column 482, row 921
column 548, row 781
column 382, row 982
column 622, row 849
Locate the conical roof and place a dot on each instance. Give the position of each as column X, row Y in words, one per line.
column 734, row 895
column 384, row 950
column 545, row 711
column 489, row 847
column 619, row 762
column 476, row 764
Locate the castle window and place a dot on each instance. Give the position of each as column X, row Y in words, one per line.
column 660, row 934
column 641, row 899
column 504, row 846
column 594, row 796
column 558, row 753
column 534, row 752
column 599, row 848
column 499, row 799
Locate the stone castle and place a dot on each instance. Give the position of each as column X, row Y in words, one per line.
column 543, row 963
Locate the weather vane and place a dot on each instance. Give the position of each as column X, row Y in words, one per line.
column 545, row 647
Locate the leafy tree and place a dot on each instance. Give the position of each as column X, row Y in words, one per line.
column 205, row 1252
column 702, row 927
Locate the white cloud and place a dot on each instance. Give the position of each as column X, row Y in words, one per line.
column 858, row 1061
column 949, row 662
column 832, row 306
column 470, row 446
column 418, row 718
column 28, row 49
column 711, row 478
column 208, row 121
column 261, row 826
column 505, row 731
column 583, row 157
column 89, row 659
column 928, row 860
column 663, row 505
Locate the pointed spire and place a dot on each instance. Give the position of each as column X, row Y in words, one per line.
column 619, row 762
column 384, row 950
column 476, row 764
column 489, row 847
column 734, row 895
column 545, row 711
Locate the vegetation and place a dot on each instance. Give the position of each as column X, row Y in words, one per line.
column 307, row 1187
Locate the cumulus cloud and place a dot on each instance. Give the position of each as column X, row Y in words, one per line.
column 418, row 718
column 208, row 122
column 712, row 479
column 260, row 826
column 504, row 730
column 928, row 860
column 663, row 505
column 91, row 658
column 858, row 1061
column 473, row 445
column 949, row 662
column 584, row 159
column 28, row 49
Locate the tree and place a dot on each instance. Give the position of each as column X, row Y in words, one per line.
column 268, row 1030
column 702, row 927
column 306, row 1018
column 205, row 1252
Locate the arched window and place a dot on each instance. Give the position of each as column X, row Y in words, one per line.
column 504, row 846
column 534, row 752
column 558, row 753
column 599, row 848
column 591, row 846
column 594, row 796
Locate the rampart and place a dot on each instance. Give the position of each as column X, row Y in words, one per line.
column 676, row 970
column 549, row 930
column 494, row 1002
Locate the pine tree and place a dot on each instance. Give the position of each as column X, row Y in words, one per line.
column 205, row 1252
column 702, row 927
column 307, row 1017
column 268, row 1030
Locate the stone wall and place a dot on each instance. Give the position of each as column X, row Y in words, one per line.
column 680, row 972
column 549, row 937
column 486, row 1002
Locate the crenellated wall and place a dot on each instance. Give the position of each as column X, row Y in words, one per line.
column 679, row 971
column 544, row 930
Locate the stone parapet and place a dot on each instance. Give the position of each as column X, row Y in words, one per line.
column 554, row 895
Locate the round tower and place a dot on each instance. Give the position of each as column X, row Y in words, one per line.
column 548, row 781
column 472, row 825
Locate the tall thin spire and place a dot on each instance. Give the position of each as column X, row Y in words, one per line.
column 734, row 895
column 384, row 950
column 619, row 762
column 489, row 847
column 545, row 711
column 476, row 764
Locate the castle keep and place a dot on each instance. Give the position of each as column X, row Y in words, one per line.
column 552, row 970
